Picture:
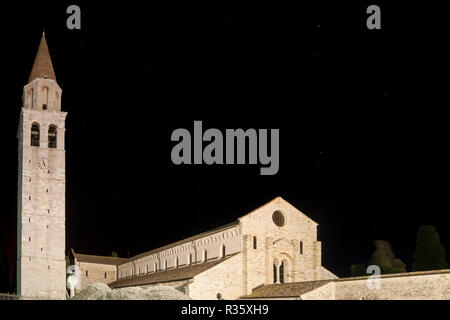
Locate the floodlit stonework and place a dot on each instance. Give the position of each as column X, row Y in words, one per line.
column 275, row 243
column 41, row 266
column 425, row 285
column 270, row 253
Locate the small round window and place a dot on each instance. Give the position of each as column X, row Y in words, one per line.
column 278, row 218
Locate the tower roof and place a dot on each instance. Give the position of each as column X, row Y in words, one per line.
column 42, row 66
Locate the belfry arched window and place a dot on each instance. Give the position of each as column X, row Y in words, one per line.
column 52, row 136
column 35, row 135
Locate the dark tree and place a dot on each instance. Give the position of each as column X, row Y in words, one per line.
column 114, row 254
column 384, row 257
column 430, row 254
column 357, row 270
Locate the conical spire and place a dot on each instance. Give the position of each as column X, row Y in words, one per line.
column 42, row 67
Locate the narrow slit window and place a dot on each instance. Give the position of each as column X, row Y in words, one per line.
column 254, row 243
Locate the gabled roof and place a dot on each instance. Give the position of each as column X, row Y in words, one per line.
column 42, row 66
column 98, row 259
column 286, row 290
column 186, row 240
column 281, row 200
column 173, row 274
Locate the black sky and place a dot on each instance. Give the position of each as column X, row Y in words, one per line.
column 363, row 132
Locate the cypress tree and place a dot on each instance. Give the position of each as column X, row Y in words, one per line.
column 430, row 254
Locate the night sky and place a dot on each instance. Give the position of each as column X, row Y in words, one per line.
column 363, row 133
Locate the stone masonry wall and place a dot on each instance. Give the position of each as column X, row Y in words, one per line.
column 432, row 285
column 224, row 278
column 94, row 272
column 41, row 195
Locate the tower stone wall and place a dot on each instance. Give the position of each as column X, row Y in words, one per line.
column 41, row 267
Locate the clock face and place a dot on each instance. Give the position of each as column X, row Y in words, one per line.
column 44, row 164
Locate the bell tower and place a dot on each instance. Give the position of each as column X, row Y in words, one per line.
column 41, row 230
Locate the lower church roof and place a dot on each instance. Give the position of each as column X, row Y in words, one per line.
column 172, row 274
column 284, row 290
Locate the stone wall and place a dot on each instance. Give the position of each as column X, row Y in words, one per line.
column 224, row 278
column 95, row 272
column 428, row 285
column 41, row 268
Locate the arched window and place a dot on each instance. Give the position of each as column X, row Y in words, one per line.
column 223, row 251
column 176, row 262
column 254, row 243
column 301, row 247
column 189, row 258
column 105, row 275
column 281, row 273
column 52, row 136
column 205, row 255
column 155, row 267
column 35, row 135
column 87, row 273
column 275, row 273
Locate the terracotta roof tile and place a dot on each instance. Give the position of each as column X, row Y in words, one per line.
column 174, row 274
column 174, row 244
column 42, row 66
column 99, row 259
column 292, row 289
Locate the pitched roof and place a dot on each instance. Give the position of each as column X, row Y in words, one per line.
column 98, row 259
column 283, row 290
column 174, row 274
column 186, row 240
column 278, row 199
column 42, row 66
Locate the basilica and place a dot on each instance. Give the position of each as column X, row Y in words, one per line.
column 271, row 252
column 276, row 243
